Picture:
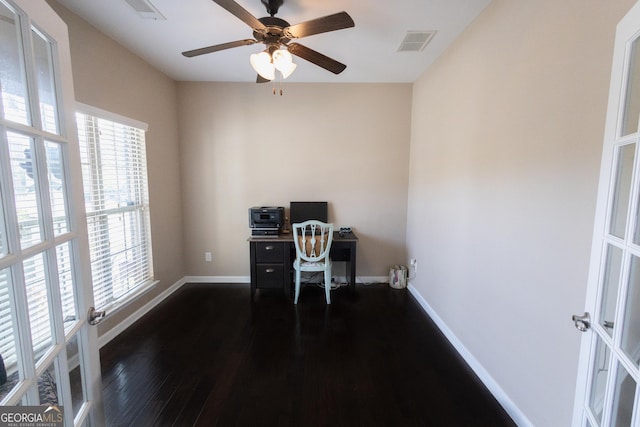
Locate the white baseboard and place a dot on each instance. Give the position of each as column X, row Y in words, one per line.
column 363, row 280
column 247, row 279
column 372, row 279
column 217, row 279
column 509, row 406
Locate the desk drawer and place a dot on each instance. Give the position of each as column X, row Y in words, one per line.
column 269, row 252
column 270, row 275
column 340, row 254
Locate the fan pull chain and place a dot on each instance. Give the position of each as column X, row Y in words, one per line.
column 274, row 90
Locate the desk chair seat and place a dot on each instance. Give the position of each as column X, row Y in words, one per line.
column 312, row 240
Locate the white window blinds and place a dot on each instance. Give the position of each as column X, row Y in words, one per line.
column 117, row 203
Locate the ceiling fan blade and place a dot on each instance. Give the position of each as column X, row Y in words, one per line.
column 241, row 13
column 337, row 21
column 260, row 79
column 217, row 47
column 316, row 57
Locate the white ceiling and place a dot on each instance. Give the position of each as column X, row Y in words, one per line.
column 369, row 49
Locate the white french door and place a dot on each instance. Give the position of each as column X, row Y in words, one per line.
column 48, row 349
column 608, row 391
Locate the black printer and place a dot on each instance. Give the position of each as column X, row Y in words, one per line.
column 266, row 220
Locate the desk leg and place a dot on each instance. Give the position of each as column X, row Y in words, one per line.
column 254, row 274
column 288, row 263
column 352, row 268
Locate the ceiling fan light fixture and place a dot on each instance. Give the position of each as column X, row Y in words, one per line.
column 288, row 70
column 281, row 58
column 283, row 61
column 261, row 63
column 276, row 34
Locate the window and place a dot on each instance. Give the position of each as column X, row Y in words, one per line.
column 117, row 203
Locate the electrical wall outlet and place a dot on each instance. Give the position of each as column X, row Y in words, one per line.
column 414, row 264
column 207, row 256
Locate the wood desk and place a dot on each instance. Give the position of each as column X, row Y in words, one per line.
column 272, row 257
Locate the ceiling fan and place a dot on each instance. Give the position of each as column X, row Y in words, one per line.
column 277, row 35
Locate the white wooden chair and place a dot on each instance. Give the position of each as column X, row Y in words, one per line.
column 313, row 242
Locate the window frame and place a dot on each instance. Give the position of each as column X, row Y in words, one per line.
column 150, row 282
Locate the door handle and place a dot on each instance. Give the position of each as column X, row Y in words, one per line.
column 94, row 317
column 608, row 324
column 582, row 323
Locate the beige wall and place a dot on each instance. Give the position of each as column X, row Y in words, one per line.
column 359, row 132
column 505, row 150
column 241, row 146
column 110, row 77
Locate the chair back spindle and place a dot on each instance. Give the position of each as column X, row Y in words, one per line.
column 312, row 240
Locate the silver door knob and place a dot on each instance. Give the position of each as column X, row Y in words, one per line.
column 608, row 324
column 582, row 323
column 94, row 317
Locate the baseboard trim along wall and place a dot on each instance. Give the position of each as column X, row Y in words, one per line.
column 217, row 279
column 514, row 412
column 247, row 279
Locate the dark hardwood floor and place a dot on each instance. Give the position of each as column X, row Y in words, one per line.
column 207, row 356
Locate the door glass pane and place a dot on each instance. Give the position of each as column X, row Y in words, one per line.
column 610, row 285
column 624, row 171
column 599, row 379
column 623, row 398
column 4, row 249
column 21, row 149
column 12, row 75
column 636, row 232
column 631, row 326
column 8, row 371
column 48, row 386
column 632, row 101
column 46, row 83
column 57, row 188
column 75, row 376
column 65, row 280
column 38, row 302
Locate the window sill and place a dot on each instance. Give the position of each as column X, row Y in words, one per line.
column 116, row 306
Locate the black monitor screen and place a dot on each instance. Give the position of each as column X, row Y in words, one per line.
column 303, row 211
